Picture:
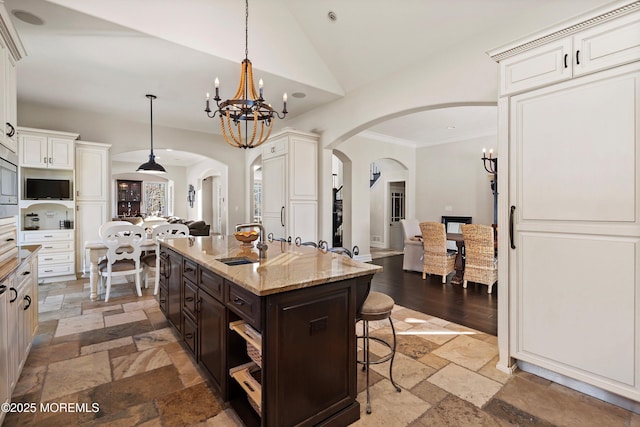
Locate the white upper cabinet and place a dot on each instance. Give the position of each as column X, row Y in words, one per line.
column 46, row 149
column 571, row 52
column 608, row 45
column 92, row 171
column 11, row 51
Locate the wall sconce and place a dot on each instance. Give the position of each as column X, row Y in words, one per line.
column 491, row 165
column 192, row 195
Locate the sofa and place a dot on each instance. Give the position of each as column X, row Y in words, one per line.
column 413, row 249
column 196, row 228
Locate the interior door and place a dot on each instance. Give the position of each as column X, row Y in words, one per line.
column 397, row 204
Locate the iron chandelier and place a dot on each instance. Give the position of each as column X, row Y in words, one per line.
column 247, row 109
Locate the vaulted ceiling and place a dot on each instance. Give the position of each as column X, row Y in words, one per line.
column 105, row 55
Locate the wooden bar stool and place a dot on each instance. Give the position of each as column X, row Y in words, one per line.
column 377, row 306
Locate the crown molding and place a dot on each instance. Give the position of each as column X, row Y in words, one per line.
column 566, row 29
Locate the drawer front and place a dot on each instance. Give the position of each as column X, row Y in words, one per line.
column 244, row 303
column 56, row 247
column 55, row 258
column 190, row 301
column 189, row 334
column 44, row 236
column 162, row 299
column 8, row 237
column 25, row 273
column 189, row 270
column 211, row 283
column 55, row 270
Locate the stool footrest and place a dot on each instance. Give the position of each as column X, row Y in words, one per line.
column 384, row 358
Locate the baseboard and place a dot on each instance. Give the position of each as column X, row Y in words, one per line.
column 582, row 387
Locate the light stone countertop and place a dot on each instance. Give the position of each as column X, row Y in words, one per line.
column 12, row 264
column 286, row 266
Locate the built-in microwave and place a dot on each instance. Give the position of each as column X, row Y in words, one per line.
column 8, row 177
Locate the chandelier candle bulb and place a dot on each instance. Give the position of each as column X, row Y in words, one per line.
column 260, row 87
column 216, row 83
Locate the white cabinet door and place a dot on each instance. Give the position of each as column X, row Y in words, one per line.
column 61, row 153
column 574, row 272
column 89, row 217
column 91, row 173
column 274, row 214
column 540, row 66
column 5, row 391
column 303, row 220
column 13, row 315
column 607, row 45
column 3, row 92
column 33, row 151
column 303, row 184
column 40, row 151
column 11, row 105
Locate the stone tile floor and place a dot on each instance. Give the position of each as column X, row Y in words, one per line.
column 123, row 357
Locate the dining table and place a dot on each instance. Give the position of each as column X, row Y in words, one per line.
column 458, row 278
column 98, row 250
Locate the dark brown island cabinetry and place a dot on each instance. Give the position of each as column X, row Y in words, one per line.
column 282, row 359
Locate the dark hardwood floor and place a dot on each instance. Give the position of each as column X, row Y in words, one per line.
column 472, row 307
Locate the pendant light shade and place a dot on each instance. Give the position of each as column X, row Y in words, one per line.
column 151, row 166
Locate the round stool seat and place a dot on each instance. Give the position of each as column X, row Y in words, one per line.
column 377, row 306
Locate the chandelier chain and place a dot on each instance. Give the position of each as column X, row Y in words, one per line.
column 246, row 30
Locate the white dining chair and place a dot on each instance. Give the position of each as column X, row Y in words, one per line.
column 151, row 262
column 108, row 224
column 123, row 255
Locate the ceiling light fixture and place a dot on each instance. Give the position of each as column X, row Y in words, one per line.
column 151, row 166
column 247, row 108
column 27, row 17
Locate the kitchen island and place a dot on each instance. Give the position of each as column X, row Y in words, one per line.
column 276, row 335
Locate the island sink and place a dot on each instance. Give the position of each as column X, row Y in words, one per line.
column 237, row 261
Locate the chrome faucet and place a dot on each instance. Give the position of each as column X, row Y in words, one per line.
column 261, row 246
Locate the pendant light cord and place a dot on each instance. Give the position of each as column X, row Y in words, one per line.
column 151, row 97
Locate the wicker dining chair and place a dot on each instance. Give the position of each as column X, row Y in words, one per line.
column 436, row 258
column 481, row 265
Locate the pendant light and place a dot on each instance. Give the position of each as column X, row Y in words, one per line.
column 151, row 166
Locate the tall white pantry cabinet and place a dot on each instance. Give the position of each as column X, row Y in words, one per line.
column 290, row 185
column 569, row 122
column 92, row 195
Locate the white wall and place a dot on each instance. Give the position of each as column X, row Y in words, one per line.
column 452, row 181
column 125, row 136
column 361, row 152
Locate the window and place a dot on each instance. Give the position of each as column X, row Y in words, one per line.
column 155, row 198
column 257, row 193
column 397, row 206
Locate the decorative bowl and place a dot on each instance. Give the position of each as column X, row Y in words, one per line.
column 246, row 237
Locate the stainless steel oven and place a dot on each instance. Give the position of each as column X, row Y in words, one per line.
column 8, row 182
